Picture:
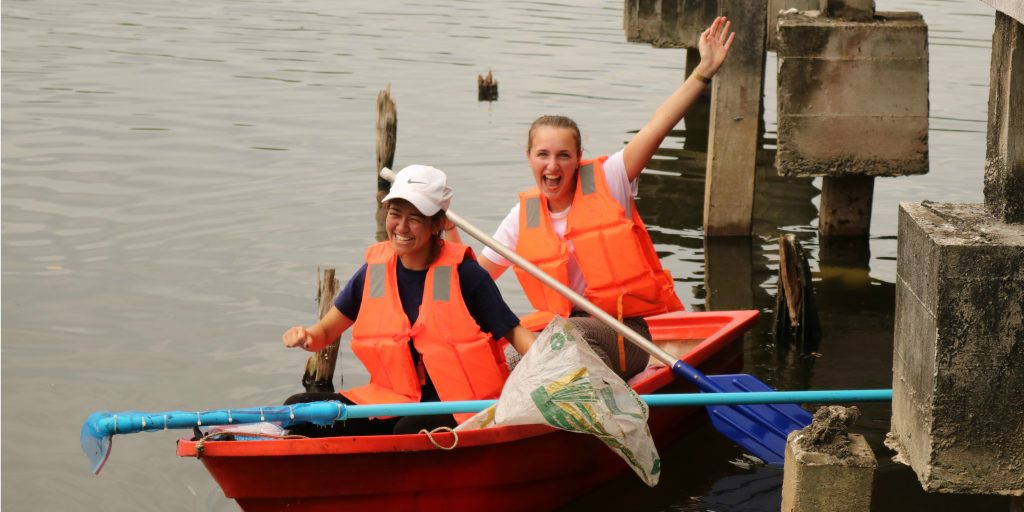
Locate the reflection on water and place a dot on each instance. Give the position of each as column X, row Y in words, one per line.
column 174, row 172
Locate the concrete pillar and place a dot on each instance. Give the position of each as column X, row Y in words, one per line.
column 853, row 105
column 853, row 96
column 958, row 362
column 777, row 6
column 668, row 23
column 1004, row 156
column 735, row 116
column 846, row 206
column 826, row 468
column 853, row 10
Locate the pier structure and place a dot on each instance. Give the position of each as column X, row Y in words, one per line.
column 958, row 362
column 737, row 90
column 853, row 101
column 852, row 105
column 825, row 456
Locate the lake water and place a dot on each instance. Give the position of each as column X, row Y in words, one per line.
column 174, row 173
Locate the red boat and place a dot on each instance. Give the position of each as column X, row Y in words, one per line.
column 526, row 467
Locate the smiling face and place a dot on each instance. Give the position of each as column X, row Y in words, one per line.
column 411, row 234
column 554, row 157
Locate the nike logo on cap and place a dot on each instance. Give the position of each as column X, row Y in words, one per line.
column 410, row 181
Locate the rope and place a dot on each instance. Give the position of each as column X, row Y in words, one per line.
column 618, row 339
column 200, row 444
column 430, row 435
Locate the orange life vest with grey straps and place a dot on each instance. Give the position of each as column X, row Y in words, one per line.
column 463, row 362
column 614, row 253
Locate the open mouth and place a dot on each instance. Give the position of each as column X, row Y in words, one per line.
column 552, row 181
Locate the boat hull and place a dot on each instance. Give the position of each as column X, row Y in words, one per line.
column 529, row 467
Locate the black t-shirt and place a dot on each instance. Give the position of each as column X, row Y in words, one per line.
column 481, row 295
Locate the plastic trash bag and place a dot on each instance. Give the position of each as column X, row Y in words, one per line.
column 250, row 431
column 561, row 382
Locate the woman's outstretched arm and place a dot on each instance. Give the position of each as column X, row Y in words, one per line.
column 316, row 337
column 714, row 46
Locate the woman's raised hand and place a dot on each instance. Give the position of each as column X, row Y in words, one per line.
column 714, row 44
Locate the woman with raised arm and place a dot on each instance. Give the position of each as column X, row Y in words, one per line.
column 580, row 225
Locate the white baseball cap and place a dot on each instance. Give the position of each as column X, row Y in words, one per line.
column 423, row 186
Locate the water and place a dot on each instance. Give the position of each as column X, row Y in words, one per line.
column 174, row 172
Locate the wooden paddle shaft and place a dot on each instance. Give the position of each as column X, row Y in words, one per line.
column 567, row 292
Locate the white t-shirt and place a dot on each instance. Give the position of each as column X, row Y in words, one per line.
column 620, row 188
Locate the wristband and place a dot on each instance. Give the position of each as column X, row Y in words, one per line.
column 696, row 74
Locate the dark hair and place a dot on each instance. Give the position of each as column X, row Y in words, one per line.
column 555, row 122
column 436, row 239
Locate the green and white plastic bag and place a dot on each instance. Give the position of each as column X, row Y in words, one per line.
column 561, row 382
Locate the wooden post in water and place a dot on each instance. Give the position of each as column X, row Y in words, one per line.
column 387, row 136
column 487, row 87
column 796, row 317
column 735, row 115
column 320, row 366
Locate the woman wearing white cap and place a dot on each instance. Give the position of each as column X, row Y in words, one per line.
column 424, row 317
column 580, row 225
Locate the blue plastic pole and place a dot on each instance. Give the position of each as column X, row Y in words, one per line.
column 326, row 412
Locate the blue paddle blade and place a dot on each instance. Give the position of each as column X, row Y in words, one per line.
column 96, row 442
column 760, row 429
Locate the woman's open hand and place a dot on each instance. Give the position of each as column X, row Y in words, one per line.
column 714, row 44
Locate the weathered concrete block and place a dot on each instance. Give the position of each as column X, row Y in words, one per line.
column 775, row 7
column 854, row 10
column 668, row 23
column 853, row 96
column 1004, row 154
column 821, row 482
column 958, row 363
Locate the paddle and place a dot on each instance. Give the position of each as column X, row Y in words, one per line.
column 99, row 427
column 760, row 429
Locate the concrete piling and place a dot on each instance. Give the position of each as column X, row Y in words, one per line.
column 668, row 23
column 776, row 7
column 958, row 362
column 958, row 365
column 1004, row 155
column 862, row 86
column 828, row 469
column 853, row 10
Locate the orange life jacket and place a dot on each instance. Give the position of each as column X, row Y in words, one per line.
column 615, row 254
column 464, row 362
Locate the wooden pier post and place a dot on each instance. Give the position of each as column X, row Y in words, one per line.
column 796, row 316
column 387, row 136
column 320, row 366
column 736, row 106
column 735, row 114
